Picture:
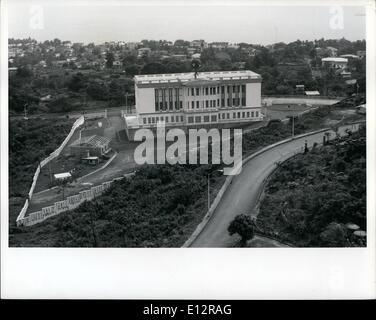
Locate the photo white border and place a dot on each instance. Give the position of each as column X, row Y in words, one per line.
column 272, row 273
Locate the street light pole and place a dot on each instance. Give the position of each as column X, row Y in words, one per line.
column 208, row 191
column 293, row 124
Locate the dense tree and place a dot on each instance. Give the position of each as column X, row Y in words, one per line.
column 243, row 226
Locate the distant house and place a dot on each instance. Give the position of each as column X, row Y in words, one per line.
column 219, row 45
column 199, row 44
column 312, row 93
column 46, row 98
column 91, row 146
column 361, row 54
column 62, row 176
column 350, row 56
column 180, row 57
column 12, row 70
column 196, row 56
column 299, row 88
column 143, row 52
column 117, row 63
column 346, row 74
column 334, row 62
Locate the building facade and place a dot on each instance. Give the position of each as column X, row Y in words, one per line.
column 183, row 100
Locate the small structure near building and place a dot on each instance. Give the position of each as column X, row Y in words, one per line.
column 62, row 176
column 94, row 145
column 312, row 93
column 334, row 62
column 91, row 160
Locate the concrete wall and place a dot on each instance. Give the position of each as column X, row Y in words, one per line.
column 253, row 97
column 69, row 203
column 145, row 100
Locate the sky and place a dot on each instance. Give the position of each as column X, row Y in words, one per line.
column 129, row 21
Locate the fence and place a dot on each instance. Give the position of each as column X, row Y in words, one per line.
column 70, row 203
column 80, row 121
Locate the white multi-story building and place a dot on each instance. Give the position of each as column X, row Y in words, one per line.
column 220, row 98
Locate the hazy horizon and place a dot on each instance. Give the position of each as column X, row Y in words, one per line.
column 101, row 22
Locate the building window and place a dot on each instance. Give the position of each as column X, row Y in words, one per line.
column 181, row 118
column 233, row 101
column 238, row 115
column 233, row 89
column 223, row 102
column 247, row 114
column 211, row 90
column 192, row 91
column 214, row 118
column 223, row 89
column 218, row 102
column 207, row 103
column 171, row 106
column 190, row 119
column 193, row 104
column 198, row 119
column 234, row 115
column 166, row 119
column 214, row 90
column 172, row 119
column 206, row 118
column 257, row 114
column 228, row 89
column 207, row 91
column 149, row 120
column 228, row 116
column 156, row 106
column 197, row 91
column 144, row 120
column 243, row 88
column 243, row 114
column 153, row 120
column 228, row 102
column 181, row 104
column 238, row 88
column 197, row 104
column 243, row 101
column 213, row 103
column 252, row 114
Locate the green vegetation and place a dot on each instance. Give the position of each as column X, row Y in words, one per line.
column 159, row 207
column 30, row 141
column 311, row 197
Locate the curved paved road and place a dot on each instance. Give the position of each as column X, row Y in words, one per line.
column 242, row 194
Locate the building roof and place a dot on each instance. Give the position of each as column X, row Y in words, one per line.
column 312, row 93
column 353, row 56
column 62, row 175
column 185, row 77
column 93, row 141
column 334, row 59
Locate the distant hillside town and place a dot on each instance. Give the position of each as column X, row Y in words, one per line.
column 61, row 76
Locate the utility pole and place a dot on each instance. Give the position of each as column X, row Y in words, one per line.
column 25, row 111
column 293, row 125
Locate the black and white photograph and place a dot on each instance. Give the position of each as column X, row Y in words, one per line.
column 186, row 125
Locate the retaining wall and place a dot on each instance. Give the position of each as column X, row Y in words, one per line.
column 53, row 155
